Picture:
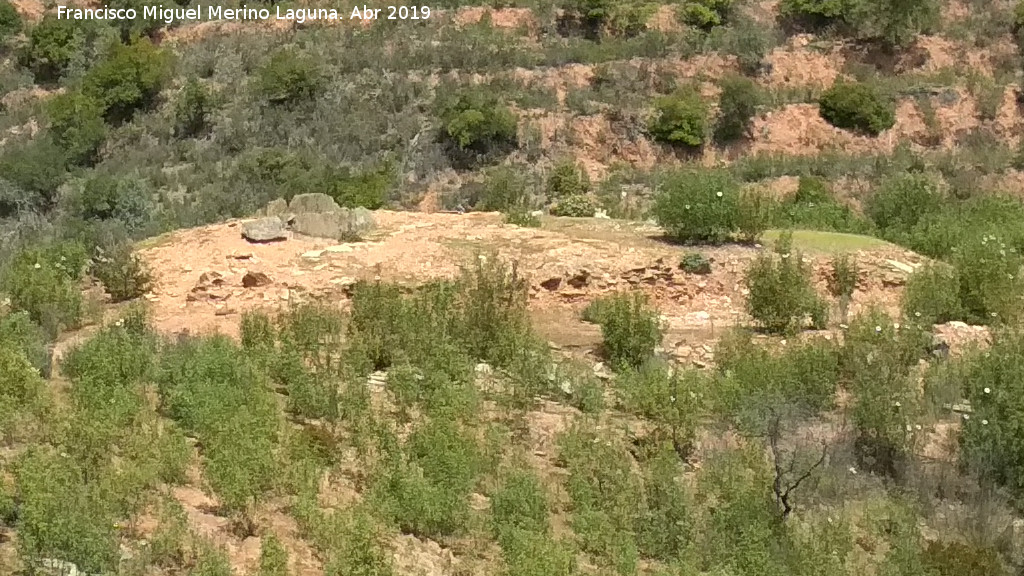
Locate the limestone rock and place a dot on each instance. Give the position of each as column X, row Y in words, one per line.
column 316, row 203
column 277, row 208
column 335, row 225
column 268, row 229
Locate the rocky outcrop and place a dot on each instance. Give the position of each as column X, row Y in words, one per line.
column 319, row 216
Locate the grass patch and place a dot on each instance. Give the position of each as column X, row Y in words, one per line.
column 829, row 242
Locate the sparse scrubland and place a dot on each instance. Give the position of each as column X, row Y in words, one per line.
column 829, row 436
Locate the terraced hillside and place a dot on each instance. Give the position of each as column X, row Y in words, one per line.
column 596, row 287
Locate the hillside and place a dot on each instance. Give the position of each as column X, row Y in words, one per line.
column 595, row 287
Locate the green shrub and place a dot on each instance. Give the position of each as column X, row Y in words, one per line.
column 528, row 553
column 813, row 14
column 476, row 120
column 698, row 206
column 102, row 197
column 504, row 189
column 576, row 206
column 858, row 107
column 706, row 14
column 76, row 126
column 665, row 526
column 695, row 263
column 680, row 119
column 34, row 170
column 192, row 110
column 10, row 20
column 902, row 201
column 737, row 106
column 782, row 294
column 522, row 218
column 520, row 504
column 597, row 18
column 123, row 274
column 933, row 294
column 673, row 401
column 991, row 286
column 957, row 559
column 257, row 332
column 753, row 212
column 53, row 44
column 355, row 545
column 877, row 359
column 43, row 283
column 273, row 557
column 630, row 328
column 842, row 281
column 128, row 80
column 290, row 77
column 895, row 24
column 1018, row 18
column 22, row 393
column 567, row 179
column 19, row 333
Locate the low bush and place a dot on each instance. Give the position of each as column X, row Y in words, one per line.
column 522, row 218
column 520, row 504
column 504, row 189
column 699, row 206
column 53, row 45
column 680, row 119
column 290, row 77
column 933, row 294
column 842, row 281
column 192, row 110
column 813, row 14
column 123, row 274
column 44, row 284
column 10, row 20
column 273, row 557
column 567, row 179
column 630, row 329
column 576, row 206
column 782, row 294
column 706, row 14
column 737, row 106
column 902, row 201
column 673, row 401
column 76, row 126
column 528, row 553
column 128, row 80
column 991, row 286
column 477, row 121
column 858, row 107
column 695, row 263
column 957, row 559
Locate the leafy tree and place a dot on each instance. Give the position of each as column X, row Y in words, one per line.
column 76, row 126
column 128, row 79
column 680, row 119
column 857, row 106
column 736, row 108
column 895, row 23
column 123, row 274
column 597, row 18
column 933, row 294
column 814, row 14
column 192, row 110
column 904, row 200
column 290, row 77
column 504, row 189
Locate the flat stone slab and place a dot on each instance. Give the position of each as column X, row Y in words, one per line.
column 265, row 230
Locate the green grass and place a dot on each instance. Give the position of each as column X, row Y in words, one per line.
column 828, row 242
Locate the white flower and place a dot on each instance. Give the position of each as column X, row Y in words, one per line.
column 984, row 422
column 878, row 328
column 853, row 470
column 719, row 194
column 38, row 266
column 988, row 390
column 909, row 428
column 917, row 426
column 687, row 206
column 897, row 404
column 918, row 314
column 967, row 416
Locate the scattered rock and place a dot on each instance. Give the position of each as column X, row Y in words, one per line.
column 313, row 254
column 255, row 280
column 580, row 280
column 264, row 230
column 223, row 311
column 339, row 248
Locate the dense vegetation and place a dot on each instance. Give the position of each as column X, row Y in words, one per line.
column 814, row 444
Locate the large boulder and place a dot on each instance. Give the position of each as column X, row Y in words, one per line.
column 344, row 224
column 277, row 208
column 316, row 203
column 264, row 230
